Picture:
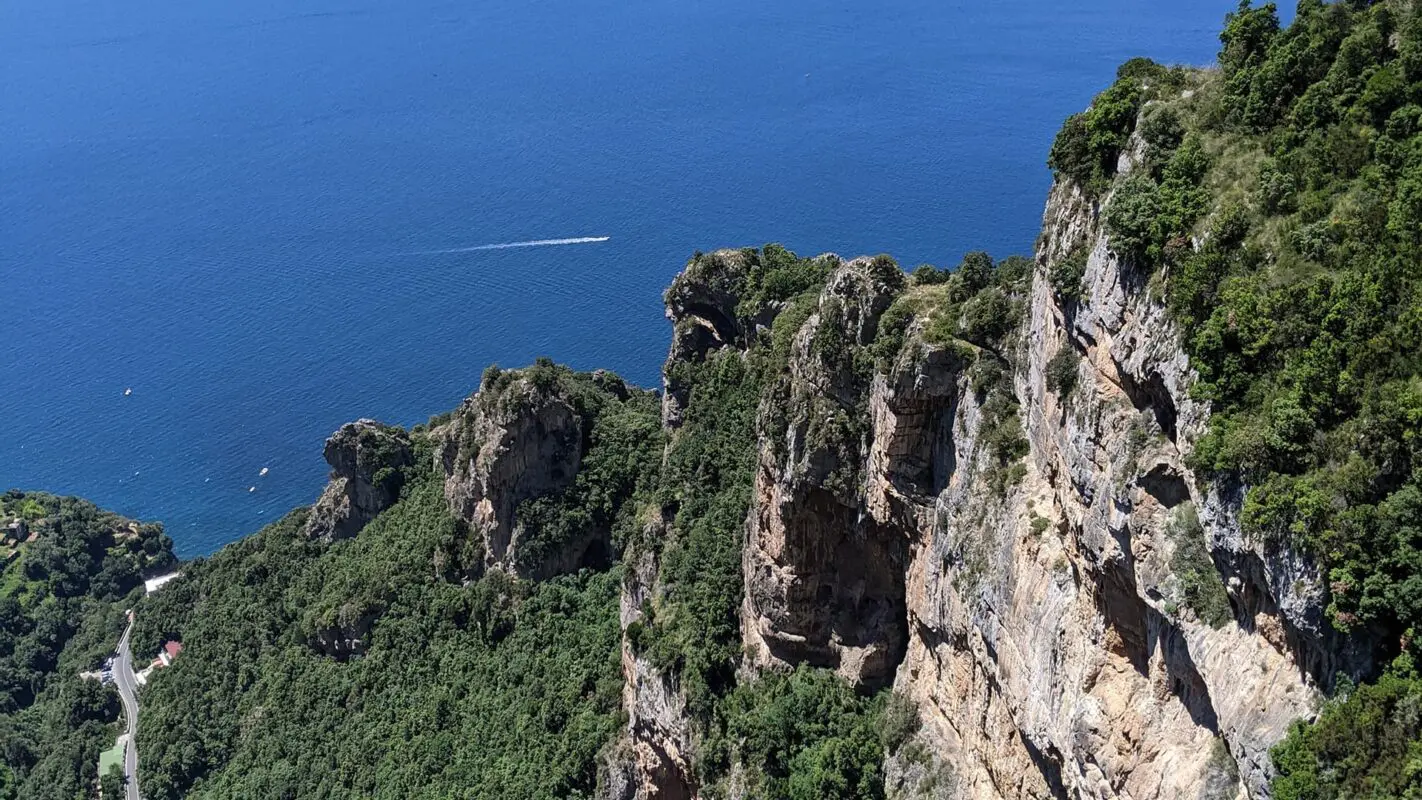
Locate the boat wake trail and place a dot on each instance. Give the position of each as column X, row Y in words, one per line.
column 512, row 245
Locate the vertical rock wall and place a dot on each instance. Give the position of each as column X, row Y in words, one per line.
column 1097, row 627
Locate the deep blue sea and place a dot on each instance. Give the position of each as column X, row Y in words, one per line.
column 227, row 206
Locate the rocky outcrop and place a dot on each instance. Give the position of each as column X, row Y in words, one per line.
column 523, row 437
column 824, row 581
column 652, row 760
column 1093, row 624
column 519, row 437
column 701, row 304
column 343, row 633
column 367, row 459
column 1097, row 627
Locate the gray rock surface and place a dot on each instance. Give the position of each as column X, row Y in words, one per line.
column 366, row 460
column 512, row 441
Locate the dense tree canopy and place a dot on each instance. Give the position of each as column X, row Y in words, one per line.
column 482, row 685
column 62, row 601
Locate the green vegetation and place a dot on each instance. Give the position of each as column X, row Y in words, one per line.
column 1089, row 145
column 111, row 778
column 112, row 757
column 1280, row 210
column 694, row 632
column 805, row 736
column 61, row 613
column 976, row 311
column 775, row 275
column 980, row 303
column 617, row 476
column 112, row 781
column 1365, row 743
column 1067, row 273
column 256, row 708
column 1200, row 587
column 1061, row 371
column 1312, row 354
column 929, row 275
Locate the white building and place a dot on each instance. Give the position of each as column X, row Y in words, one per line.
column 154, row 584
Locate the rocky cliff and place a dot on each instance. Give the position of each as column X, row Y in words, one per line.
column 1054, row 649
column 1004, row 529
column 366, row 460
column 824, row 581
column 969, row 488
column 1047, row 527
column 522, row 439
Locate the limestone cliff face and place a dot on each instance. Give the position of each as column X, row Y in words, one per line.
column 1062, row 657
column 652, row 761
column 824, row 581
column 1092, row 625
column 518, row 438
column 366, row 458
column 1046, row 630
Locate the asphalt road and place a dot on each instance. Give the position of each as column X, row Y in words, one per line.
column 127, row 684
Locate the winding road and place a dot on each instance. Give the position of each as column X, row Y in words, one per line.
column 127, row 684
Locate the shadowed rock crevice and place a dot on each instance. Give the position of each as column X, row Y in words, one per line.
column 1149, row 641
column 1048, row 761
column 1150, row 393
column 1164, row 484
column 1185, row 681
column 921, row 455
column 1126, row 615
column 832, row 594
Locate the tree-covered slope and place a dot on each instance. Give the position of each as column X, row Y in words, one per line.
column 392, row 664
column 496, row 688
column 63, row 592
column 398, row 663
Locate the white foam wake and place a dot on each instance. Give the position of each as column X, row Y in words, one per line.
column 511, row 245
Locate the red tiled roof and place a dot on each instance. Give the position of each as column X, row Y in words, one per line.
column 173, row 648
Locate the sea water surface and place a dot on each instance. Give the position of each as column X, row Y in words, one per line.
column 269, row 217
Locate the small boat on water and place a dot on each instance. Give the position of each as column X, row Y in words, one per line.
column 127, row 392
column 263, row 473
